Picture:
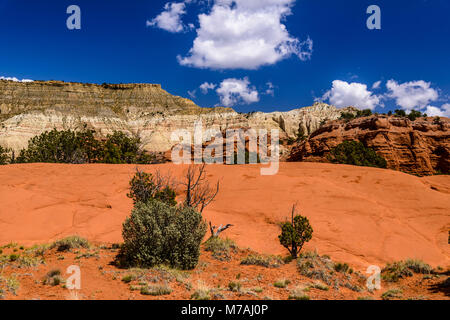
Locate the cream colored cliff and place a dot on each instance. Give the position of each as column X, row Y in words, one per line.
column 146, row 110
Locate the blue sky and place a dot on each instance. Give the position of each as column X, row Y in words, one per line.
column 125, row 42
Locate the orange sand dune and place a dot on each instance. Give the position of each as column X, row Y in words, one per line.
column 360, row 215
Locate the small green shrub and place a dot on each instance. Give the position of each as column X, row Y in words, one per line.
column 12, row 284
column 38, row 250
column 418, row 266
column 13, row 257
column 201, row 295
column 295, row 234
column 347, row 116
column 25, row 261
column 10, row 245
column 353, row 287
column 121, row 149
column 364, row 113
column 4, row 156
column 366, row 298
column 421, row 297
column 168, row 273
column 144, row 187
column 266, row 261
column 234, row 286
column 221, row 249
column 257, row 290
column 156, row 290
column 413, row 115
column 392, row 294
column 53, row 278
column 282, row 283
column 320, row 286
column 128, row 278
column 341, row 267
column 202, row 292
column 403, row 269
column 313, row 266
column 69, row 243
column 298, row 294
column 400, row 113
column 355, row 153
column 157, row 233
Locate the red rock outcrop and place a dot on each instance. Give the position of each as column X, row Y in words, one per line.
column 420, row 147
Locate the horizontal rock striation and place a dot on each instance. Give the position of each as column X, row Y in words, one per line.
column 144, row 110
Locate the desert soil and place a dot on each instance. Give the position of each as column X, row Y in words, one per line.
column 361, row 216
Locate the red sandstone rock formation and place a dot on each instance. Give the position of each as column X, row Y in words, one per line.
column 420, row 147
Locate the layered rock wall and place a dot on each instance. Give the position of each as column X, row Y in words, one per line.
column 145, row 110
column 419, row 147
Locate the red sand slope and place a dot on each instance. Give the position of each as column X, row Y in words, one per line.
column 359, row 215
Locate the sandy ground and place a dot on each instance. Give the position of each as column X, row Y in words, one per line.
column 100, row 280
column 359, row 215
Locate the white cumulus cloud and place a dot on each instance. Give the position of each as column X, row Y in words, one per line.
column 170, row 18
column 344, row 94
column 270, row 89
column 245, row 34
column 233, row 91
column 444, row 111
column 205, row 87
column 15, row 79
column 376, row 85
column 412, row 95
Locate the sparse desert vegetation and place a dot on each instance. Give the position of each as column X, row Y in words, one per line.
column 175, row 238
column 53, row 278
column 282, row 283
column 268, row 261
column 222, row 269
column 221, row 249
column 295, row 233
column 298, row 294
column 356, row 153
column 4, row 156
column 48, row 281
column 392, row 294
column 336, row 275
column 69, row 243
column 176, row 230
column 156, row 290
column 402, row 269
column 78, row 147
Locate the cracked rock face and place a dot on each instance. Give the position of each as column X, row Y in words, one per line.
column 420, row 147
column 145, row 110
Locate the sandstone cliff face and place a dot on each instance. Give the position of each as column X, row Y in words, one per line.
column 420, row 147
column 145, row 110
